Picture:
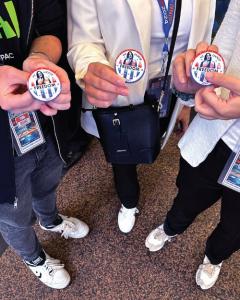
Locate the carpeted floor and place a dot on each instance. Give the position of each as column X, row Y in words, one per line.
column 108, row 265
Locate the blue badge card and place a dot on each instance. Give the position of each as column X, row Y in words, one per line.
column 230, row 176
column 165, row 96
column 26, row 131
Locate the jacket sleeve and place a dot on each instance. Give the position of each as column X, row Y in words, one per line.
column 227, row 34
column 49, row 18
column 85, row 41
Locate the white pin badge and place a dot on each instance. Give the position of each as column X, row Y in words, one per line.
column 130, row 64
column 204, row 62
column 44, row 85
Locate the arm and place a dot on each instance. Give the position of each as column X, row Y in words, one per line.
column 46, row 50
column 227, row 33
column 87, row 55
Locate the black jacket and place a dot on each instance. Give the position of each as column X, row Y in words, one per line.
column 36, row 18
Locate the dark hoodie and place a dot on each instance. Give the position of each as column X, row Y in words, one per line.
column 22, row 20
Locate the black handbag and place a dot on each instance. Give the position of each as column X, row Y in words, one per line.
column 131, row 134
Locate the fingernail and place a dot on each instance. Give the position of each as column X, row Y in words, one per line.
column 183, row 80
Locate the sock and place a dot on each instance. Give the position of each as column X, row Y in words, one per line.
column 38, row 261
column 56, row 222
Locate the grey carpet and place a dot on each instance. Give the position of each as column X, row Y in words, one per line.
column 108, row 265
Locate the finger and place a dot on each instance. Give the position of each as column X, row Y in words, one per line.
column 213, row 48
column 208, row 117
column 62, row 99
column 63, row 77
column 33, row 107
column 48, row 111
column 190, row 55
column 107, row 73
column 202, row 106
column 98, row 103
column 18, row 101
column 179, row 69
column 59, row 106
column 229, row 82
column 14, row 76
column 100, row 95
column 104, row 85
column 202, row 47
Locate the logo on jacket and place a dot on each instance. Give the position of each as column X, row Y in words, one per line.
column 9, row 29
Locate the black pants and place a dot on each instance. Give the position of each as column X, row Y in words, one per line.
column 126, row 182
column 198, row 190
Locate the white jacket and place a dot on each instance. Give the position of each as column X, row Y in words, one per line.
column 202, row 135
column 99, row 30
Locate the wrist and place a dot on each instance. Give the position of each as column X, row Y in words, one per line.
column 186, row 98
column 39, row 54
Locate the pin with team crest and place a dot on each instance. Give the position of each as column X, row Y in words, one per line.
column 130, row 64
column 204, row 62
column 44, row 85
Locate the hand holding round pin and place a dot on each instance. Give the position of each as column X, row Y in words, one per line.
column 130, row 64
column 44, row 85
column 207, row 61
column 183, row 64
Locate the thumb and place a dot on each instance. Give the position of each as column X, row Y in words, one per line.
column 15, row 76
column 229, row 82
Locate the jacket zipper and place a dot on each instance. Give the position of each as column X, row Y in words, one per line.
column 30, row 24
column 54, row 128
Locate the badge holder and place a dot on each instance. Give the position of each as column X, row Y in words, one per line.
column 163, row 95
column 230, row 176
column 160, row 88
column 26, row 131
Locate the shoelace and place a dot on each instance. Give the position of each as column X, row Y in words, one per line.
column 159, row 234
column 127, row 212
column 52, row 265
column 67, row 228
column 209, row 269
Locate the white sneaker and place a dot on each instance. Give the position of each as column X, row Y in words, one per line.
column 51, row 273
column 70, row 227
column 157, row 238
column 207, row 274
column 126, row 218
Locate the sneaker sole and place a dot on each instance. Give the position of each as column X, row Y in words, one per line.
column 58, row 286
column 152, row 248
column 205, row 287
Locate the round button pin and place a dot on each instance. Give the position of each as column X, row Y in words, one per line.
column 204, row 62
column 44, row 85
column 130, row 64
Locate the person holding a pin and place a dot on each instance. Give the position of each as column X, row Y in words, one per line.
column 209, row 153
column 31, row 161
column 101, row 36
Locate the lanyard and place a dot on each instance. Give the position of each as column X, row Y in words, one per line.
column 168, row 17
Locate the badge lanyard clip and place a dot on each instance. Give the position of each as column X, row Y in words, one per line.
column 167, row 22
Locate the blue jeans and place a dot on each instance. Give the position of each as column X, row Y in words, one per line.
column 37, row 175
